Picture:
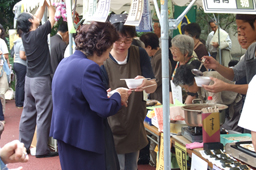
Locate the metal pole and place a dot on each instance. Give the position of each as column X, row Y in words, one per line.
column 165, row 80
column 220, row 57
column 71, row 39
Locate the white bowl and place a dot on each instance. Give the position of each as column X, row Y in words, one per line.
column 133, row 83
column 202, row 80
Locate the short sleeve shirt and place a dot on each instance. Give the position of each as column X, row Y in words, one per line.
column 18, row 46
column 240, row 68
column 4, row 49
column 37, row 51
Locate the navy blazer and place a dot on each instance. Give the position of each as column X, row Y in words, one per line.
column 80, row 104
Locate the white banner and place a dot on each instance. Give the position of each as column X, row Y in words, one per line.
column 102, row 11
column 135, row 13
column 229, row 6
column 89, row 8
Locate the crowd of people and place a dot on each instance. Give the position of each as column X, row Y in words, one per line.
column 81, row 102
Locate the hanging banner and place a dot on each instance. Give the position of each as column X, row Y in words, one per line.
column 229, row 6
column 135, row 13
column 89, row 8
column 102, row 11
column 146, row 21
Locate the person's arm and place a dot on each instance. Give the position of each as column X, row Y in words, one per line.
column 189, row 99
column 148, row 85
column 254, row 139
column 211, row 63
column 23, row 55
column 40, row 11
column 6, row 56
column 219, row 86
column 170, row 97
column 229, row 42
column 51, row 13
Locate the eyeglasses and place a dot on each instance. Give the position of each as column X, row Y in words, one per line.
column 174, row 50
column 125, row 41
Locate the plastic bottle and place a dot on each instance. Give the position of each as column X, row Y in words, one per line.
column 209, row 100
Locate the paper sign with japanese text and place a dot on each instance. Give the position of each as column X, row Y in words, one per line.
column 176, row 93
column 89, row 8
column 181, row 156
column 160, row 164
column 135, row 13
column 102, row 11
column 229, row 6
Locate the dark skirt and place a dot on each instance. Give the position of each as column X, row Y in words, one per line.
column 73, row 158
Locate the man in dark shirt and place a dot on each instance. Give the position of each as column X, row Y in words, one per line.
column 37, row 109
column 58, row 44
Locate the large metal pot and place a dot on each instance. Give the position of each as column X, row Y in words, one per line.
column 193, row 113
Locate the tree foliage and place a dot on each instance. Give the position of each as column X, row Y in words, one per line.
column 6, row 13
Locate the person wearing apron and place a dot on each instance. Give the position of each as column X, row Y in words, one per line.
column 128, row 61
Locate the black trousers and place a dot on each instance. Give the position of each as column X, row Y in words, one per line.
column 20, row 71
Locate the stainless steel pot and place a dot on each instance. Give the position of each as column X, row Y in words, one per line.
column 193, row 113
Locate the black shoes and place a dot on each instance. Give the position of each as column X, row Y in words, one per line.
column 28, row 151
column 50, row 154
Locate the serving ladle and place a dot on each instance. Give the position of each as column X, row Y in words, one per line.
column 197, row 72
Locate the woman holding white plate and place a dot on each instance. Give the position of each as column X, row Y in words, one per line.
column 127, row 61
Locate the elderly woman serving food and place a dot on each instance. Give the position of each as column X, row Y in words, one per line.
column 182, row 51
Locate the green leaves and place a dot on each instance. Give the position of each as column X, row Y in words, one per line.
column 6, row 13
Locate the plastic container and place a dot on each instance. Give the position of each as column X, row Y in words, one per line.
column 230, row 138
column 209, row 100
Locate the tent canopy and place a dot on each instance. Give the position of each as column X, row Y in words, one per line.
column 115, row 5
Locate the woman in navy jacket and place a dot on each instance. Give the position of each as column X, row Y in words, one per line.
column 80, row 101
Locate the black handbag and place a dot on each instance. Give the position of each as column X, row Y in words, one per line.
column 112, row 162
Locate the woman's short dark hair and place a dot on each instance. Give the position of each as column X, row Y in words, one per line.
column 193, row 30
column 184, row 76
column 125, row 30
column 150, row 39
column 23, row 22
column 2, row 34
column 96, row 38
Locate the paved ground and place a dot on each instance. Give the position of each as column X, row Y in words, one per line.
column 11, row 132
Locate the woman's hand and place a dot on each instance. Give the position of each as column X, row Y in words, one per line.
column 149, row 85
column 125, row 93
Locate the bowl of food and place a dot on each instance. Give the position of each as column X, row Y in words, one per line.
column 202, row 80
column 133, row 83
